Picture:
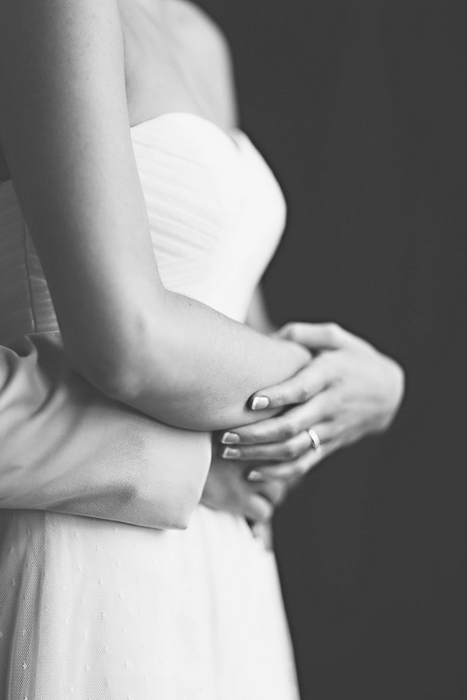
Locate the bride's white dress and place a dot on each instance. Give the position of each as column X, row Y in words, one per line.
column 94, row 610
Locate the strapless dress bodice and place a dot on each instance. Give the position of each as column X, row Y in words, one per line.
column 215, row 211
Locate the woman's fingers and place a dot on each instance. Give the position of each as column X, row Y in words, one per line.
column 315, row 336
column 275, row 451
column 358, row 391
column 323, row 432
column 283, row 428
column 298, row 389
column 294, row 469
column 313, row 378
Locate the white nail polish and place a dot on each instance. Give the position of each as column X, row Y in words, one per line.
column 259, row 402
column 230, row 439
column 230, row 453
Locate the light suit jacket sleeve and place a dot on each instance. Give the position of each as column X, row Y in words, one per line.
column 66, row 447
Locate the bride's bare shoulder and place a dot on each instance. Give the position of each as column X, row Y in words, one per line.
column 208, row 45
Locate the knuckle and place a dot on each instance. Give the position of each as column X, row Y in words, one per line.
column 292, row 450
column 282, row 396
column 288, row 430
column 288, row 452
column 252, row 434
column 304, row 394
column 279, row 398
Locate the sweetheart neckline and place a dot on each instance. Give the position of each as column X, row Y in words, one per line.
column 231, row 136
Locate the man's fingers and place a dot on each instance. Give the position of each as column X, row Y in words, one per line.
column 272, row 490
column 257, row 508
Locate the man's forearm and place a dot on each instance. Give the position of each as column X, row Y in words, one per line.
column 66, row 447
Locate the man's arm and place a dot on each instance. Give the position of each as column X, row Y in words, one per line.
column 66, row 447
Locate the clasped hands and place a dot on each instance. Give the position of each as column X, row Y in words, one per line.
column 347, row 391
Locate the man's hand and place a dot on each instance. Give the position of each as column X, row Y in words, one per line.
column 228, row 488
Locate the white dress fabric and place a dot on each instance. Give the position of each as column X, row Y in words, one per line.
column 95, row 610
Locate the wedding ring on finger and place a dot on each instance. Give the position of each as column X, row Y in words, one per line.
column 315, row 441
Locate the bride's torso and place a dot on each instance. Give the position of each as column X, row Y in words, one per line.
column 215, row 212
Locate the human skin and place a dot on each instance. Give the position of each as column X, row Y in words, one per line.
column 279, row 446
column 49, row 150
column 70, row 156
column 350, row 390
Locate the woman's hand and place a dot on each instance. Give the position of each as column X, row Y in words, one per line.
column 347, row 391
column 228, row 489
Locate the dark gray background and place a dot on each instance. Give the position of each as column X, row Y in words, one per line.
column 360, row 107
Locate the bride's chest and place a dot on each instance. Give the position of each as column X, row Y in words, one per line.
column 215, row 210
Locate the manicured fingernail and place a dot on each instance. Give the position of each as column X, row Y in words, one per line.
column 230, row 453
column 230, row 438
column 259, row 402
column 254, row 475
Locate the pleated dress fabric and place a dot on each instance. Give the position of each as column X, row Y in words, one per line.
column 96, row 610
